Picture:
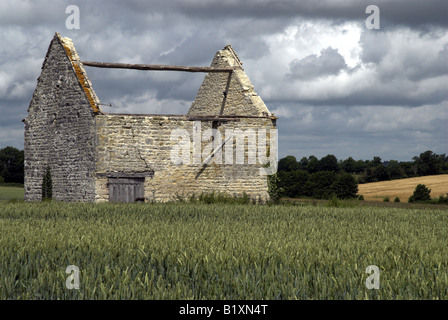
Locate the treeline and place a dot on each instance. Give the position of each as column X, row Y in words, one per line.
column 11, row 165
column 322, row 178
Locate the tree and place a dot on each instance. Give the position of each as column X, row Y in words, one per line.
column 395, row 170
column 313, row 164
column 349, row 165
column 427, row 163
column 376, row 162
column 378, row 173
column 11, row 164
column 444, row 164
column 319, row 184
column 360, row 166
column 300, row 178
column 328, row 163
column 303, row 163
column 47, row 185
column 381, row 173
column 345, row 186
column 421, row 193
column 293, row 182
column 409, row 168
column 288, row 163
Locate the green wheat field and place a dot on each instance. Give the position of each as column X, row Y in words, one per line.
column 221, row 251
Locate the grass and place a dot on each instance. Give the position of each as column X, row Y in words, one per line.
column 221, row 251
column 11, row 193
column 403, row 188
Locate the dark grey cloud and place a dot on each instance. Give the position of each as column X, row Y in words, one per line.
column 134, row 83
column 329, row 62
column 385, row 94
column 373, row 93
column 380, row 131
column 410, row 13
column 430, row 68
column 422, row 15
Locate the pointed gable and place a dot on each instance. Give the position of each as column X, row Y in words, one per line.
column 55, row 69
column 60, row 127
column 81, row 74
column 223, row 93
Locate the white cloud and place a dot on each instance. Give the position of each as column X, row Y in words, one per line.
column 148, row 103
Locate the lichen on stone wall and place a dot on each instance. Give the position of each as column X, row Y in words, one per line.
column 80, row 73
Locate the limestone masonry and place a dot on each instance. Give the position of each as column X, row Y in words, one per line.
column 95, row 156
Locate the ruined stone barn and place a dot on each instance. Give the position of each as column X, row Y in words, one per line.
column 94, row 156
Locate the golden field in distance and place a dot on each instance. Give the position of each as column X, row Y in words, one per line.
column 403, row 188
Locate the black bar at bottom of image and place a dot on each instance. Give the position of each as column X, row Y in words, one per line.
column 220, row 309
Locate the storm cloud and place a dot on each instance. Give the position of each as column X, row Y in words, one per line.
column 329, row 62
column 336, row 86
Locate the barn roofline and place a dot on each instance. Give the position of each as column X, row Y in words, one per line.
column 232, row 66
column 81, row 74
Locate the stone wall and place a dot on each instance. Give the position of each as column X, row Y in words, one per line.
column 143, row 143
column 59, row 132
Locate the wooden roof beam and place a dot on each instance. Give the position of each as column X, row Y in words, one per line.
column 155, row 67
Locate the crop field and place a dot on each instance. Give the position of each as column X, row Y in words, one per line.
column 11, row 193
column 221, row 251
column 403, row 188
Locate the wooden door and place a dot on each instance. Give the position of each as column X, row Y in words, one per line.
column 126, row 189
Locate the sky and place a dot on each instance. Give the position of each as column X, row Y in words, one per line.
column 337, row 85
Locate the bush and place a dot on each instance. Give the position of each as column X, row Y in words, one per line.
column 47, row 185
column 333, row 202
column 2, row 180
column 274, row 190
column 397, row 199
column 219, row 197
column 443, row 199
column 361, row 197
column 386, row 199
column 421, row 193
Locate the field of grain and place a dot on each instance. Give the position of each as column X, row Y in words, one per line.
column 403, row 188
column 11, row 193
column 221, row 251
